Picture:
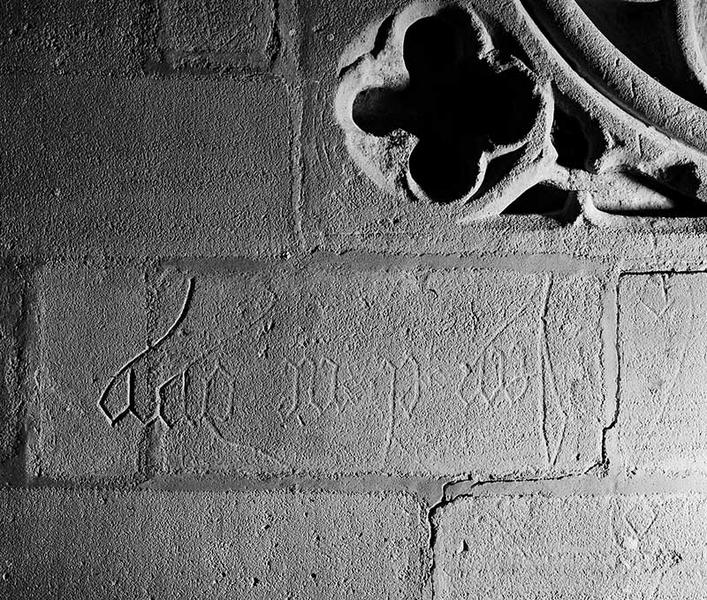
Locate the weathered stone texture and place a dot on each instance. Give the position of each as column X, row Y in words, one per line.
column 663, row 360
column 64, row 36
column 578, row 547
column 268, row 263
column 342, row 208
column 72, row 544
column 220, row 33
column 333, row 370
column 12, row 339
column 90, row 320
column 145, row 167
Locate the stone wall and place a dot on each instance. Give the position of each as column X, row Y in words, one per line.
column 315, row 299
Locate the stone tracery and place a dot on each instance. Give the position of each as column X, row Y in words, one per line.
column 439, row 110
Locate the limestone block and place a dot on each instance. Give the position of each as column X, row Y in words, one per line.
column 663, row 359
column 72, row 544
column 145, row 167
column 90, row 318
column 571, row 547
column 63, row 36
column 347, row 370
column 221, row 34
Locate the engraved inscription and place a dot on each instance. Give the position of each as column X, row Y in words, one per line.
column 291, row 383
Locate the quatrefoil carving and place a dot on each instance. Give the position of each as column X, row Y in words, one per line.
column 435, row 111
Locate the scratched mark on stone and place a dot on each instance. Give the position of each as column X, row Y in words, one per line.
column 660, row 306
column 555, row 414
column 127, row 369
column 315, row 386
column 642, row 553
column 218, row 402
column 216, row 399
column 355, row 387
column 491, row 380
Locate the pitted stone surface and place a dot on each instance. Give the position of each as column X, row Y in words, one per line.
column 13, row 298
column 110, row 37
column 219, row 33
column 260, row 545
column 574, row 548
column 89, row 319
column 377, row 299
column 144, row 167
column 343, row 209
column 342, row 370
column 663, row 359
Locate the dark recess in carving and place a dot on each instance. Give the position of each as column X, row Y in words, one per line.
column 678, row 184
column 645, row 33
column 549, row 201
column 382, row 35
column 570, row 139
column 457, row 104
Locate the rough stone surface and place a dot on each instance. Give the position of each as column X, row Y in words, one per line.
column 13, row 292
column 89, row 319
column 145, row 168
column 339, row 370
column 344, row 208
column 220, row 33
column 571, row 548
column 63, row 36
column 209, row 545
column 407, row 295
column 662, row 328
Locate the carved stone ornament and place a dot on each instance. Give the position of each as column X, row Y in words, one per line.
column 472, row 106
